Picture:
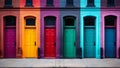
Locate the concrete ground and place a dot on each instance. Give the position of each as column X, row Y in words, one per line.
column 59, row 62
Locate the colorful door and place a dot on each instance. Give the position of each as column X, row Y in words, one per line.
column 50, row 42
column 89, row 45
column 10, row 43
column 110, row 43
column 69, row 43
column 30, row 48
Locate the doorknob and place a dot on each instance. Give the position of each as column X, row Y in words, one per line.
column 74, row 43
column 94, row 44
column 115, row 43
column 35, row 43
column 14, row 43
column 54, row 43
column 0, row 52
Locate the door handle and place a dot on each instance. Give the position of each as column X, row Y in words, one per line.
column 115, row 43
column 94, row 44
column 74, row 43
column 14, row 43
column 0, row 52
column 35, row 43
column 54, row 43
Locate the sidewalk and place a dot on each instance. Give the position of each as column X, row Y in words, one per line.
column 59, row 62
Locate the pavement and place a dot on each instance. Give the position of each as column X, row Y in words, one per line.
column 60, row 63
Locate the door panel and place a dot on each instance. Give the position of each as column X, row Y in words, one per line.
column 89, row 37
column 30, row 49
column 110, row 47
column 33, row 43
column 50, row 42
column 10, row 43
column 69, row 43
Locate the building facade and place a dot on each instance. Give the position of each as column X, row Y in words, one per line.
column 110, row 28
column 50, row 29
column 90, row 28
column 69, row 22
column 9, row 21
column 59, row 29
column 29, row 28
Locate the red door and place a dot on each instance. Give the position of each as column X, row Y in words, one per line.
column 50, row 49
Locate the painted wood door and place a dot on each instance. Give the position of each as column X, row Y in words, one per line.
column 110, row 43
column 69, row 43
column 89, row 45
column 10, row 43
column 50, row 42
column 30, row 48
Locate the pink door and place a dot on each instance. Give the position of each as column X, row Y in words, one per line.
column 10, row 43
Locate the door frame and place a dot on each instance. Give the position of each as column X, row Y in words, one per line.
column 93, row 25
column 116, row 33
column 78, row 51
column 42, row 29
column 97, row 31
column 49, row 26
column 69, row 27
column 104, row 13
column 29, row 27
column 17, row 35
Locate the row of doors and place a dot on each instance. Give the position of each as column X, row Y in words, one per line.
column 30, row 49
column 110, row 43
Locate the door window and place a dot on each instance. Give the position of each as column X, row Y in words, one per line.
column 69, row 22
column 50, row 21
column 110, row 20
column 30, row 22
column 89, row 21
column 10, row 21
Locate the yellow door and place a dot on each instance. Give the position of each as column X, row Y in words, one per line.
column 30, row 48
column 33, row 43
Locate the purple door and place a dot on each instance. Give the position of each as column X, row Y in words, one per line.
column 10, row 43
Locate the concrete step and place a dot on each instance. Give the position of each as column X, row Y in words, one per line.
column 60, row 63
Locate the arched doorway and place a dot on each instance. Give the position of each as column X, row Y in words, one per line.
column 89, row 37
column 110, row 36
column 69, row 37
column 30, row 47
column 9, row 36
column 50, row 37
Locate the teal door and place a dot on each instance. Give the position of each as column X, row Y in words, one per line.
column 69, row 43
column 89, row 45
